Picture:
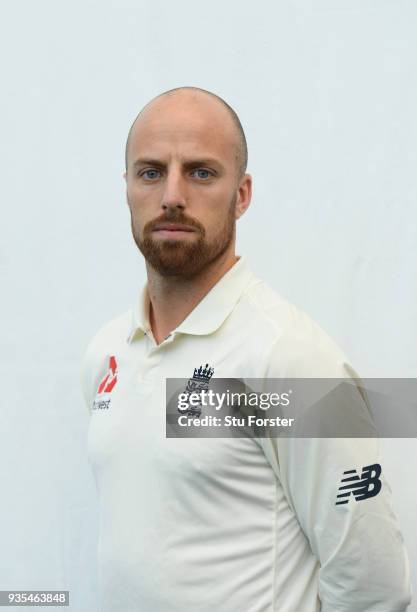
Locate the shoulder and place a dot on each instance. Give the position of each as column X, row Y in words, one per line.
column 271, row 310
column 293, row 342
column 111, row 334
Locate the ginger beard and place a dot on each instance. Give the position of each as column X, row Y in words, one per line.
column 184, row 257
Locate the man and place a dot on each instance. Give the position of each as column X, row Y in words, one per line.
column 221, row 524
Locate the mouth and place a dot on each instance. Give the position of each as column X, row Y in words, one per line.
column 173, row 230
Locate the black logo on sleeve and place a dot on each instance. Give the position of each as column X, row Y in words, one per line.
column 367, row 485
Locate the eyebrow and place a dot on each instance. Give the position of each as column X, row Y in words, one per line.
column 191, row 163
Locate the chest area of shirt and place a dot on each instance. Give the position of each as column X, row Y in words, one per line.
column 129, row 415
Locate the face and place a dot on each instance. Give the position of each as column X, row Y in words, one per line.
column 182, row 186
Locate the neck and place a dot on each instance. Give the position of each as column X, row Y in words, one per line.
column 172, row 298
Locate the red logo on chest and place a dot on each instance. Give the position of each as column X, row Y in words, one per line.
column 110, row 379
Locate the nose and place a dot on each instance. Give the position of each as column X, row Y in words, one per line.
column 174, row 195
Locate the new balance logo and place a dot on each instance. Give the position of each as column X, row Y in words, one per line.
column 367, row 485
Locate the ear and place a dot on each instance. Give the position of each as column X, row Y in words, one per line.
column 125, row 175
column 244, row 195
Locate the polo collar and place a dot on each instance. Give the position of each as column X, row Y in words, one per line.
column 209, row 313
column 140, row 324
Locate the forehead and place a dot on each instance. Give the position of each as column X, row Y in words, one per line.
column 184, row 125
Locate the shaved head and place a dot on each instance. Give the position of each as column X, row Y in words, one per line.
column 241, row 150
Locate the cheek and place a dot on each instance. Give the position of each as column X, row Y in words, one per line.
column 217, row 223
column 137, row 200
column 142, row 206
column 137, row 216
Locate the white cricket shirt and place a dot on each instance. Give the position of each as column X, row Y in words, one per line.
column 230, row 524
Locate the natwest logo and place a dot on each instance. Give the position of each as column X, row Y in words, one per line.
column 106, row 385
column 110, row 378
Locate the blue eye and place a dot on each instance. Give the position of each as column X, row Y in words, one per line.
column 208, row 173
column 149, row 172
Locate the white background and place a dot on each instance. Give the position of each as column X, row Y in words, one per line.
column 326, row 92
